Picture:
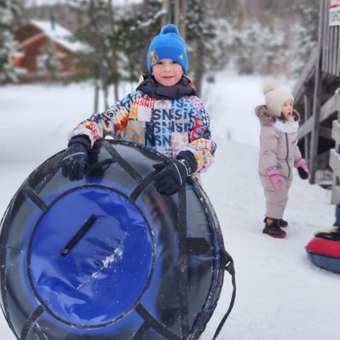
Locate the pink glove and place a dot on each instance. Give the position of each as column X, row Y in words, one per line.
column 301, row 163
column 275, row 179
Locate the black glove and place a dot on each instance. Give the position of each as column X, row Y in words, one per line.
column 75, row 161
column 302, row 173
column 172, row 174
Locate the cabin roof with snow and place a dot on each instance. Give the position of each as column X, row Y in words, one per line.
column 56, row 33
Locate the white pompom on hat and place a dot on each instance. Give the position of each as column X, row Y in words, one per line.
column 275, row 96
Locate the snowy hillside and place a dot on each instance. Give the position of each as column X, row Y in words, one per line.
column 280, row 294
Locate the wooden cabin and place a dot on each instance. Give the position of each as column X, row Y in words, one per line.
column 317, row 98
column 46, row 50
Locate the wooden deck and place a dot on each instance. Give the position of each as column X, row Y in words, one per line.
column 318, row 102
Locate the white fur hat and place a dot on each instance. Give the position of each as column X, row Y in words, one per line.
column 275, row 96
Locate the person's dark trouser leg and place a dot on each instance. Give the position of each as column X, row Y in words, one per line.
column 337, row 215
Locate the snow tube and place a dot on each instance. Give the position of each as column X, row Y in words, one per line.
column 324, row 251
column 108, row 257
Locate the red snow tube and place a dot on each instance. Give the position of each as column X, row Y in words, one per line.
column 324, row 251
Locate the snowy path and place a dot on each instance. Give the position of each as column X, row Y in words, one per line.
column 280, row 294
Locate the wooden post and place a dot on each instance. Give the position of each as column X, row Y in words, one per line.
column 96, row 95
column 166, row 7
column 307, row 109
column 336, row 182
column 176, row 14
column 317, row 95
column 183, row 15
column 114, row 58
column 172, row 4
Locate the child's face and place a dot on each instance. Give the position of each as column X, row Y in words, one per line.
column 167, row 72
column 287, row 110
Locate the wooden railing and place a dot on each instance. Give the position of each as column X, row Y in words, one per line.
column 327, row 109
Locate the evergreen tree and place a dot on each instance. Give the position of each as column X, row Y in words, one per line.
column 252, row 47
column 136, row 31
column 222, row 44
column 308, row 12
column 201, row 35
column 9, row 10
column 48, row 61
column 271, row 36
column 305, row 33
column 118, row 38
column 232, row 10
column 96, row 30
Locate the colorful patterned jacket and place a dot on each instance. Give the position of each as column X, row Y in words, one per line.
column 166, row 125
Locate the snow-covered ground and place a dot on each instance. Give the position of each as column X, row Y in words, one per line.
column 281, row 295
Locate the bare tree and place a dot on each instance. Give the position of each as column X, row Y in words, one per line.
column 114, row 52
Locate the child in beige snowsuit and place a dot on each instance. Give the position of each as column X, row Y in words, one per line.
column 279, row 154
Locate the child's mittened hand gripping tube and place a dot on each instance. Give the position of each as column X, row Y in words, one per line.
column 275, row 179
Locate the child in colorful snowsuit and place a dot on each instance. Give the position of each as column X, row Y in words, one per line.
column 279, row 154
column 163, row 113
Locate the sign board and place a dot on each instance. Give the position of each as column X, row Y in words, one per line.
column 334, row 13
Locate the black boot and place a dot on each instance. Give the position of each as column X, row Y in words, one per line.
column 282, row 223
column 273, row 229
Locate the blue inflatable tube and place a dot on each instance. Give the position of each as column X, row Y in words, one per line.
column 108, row 257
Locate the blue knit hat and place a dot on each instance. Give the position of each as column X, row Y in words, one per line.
column 168, row 44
